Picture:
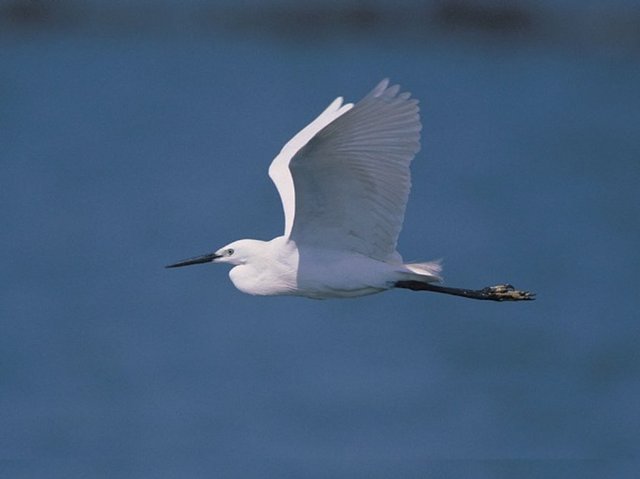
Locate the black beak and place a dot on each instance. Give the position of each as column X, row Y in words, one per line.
column 205, row 258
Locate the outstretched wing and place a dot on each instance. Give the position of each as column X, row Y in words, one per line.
column 279, row 169
column 347, row 183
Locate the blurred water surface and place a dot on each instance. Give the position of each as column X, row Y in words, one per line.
column 123, row 151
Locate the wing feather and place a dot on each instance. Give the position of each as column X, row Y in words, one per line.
column 279, row 169
column 347, row 183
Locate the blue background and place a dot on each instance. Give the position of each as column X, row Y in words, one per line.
column 134, row 134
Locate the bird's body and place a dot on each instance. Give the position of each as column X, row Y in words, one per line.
column 281, row 267
column 344, row 182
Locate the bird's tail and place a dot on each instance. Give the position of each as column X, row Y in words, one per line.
column 428, row 272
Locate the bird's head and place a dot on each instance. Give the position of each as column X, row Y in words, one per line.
column 238, row 252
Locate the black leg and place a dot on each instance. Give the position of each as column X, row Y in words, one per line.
column 501, row 292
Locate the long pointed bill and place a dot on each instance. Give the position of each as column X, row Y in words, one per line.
column 205, row 258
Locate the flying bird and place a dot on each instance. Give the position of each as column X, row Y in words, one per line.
column 344, row 182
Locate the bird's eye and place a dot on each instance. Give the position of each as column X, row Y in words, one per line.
column 230, row 251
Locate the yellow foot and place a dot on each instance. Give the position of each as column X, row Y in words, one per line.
column 506, row 292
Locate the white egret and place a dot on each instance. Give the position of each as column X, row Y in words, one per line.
column 344, row 183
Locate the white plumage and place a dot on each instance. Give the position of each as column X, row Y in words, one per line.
column 344, row 182
column 351, row 179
